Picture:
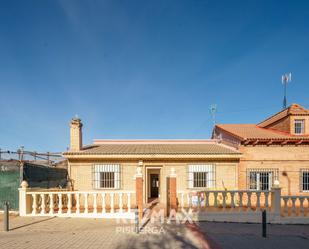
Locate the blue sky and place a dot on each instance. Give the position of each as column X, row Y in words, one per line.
column 145, row 69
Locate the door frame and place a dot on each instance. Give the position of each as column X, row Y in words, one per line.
column 148, row 181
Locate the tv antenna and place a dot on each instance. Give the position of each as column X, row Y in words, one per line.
column 213, row 111
column 285, row 79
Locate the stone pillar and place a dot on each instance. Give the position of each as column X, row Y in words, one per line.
column 139, row 192
column 76, row 141
column 172, row 190
column 24, row 200
column 276, row 199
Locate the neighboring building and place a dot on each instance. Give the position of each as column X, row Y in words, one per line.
column 112, row 164
column 275, row 149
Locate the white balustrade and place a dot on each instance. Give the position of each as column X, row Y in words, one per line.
column 95, row 210
column 86, row 203
column 34, row 206
column 298, row 205
column 51, row 204
column 59, row 203
column 77, row 203
column 68, row 203
column 112, row 202
column 103, row 203
column 42, row 203
column 243, row 200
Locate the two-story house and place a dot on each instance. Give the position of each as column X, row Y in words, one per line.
column 274, row 149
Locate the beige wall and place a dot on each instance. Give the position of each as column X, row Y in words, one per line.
column 225, row 175
column 289, row 159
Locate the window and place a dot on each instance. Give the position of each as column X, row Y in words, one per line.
column 106, row 176
column 299, row 125
column 304, row 175
column 199, row 179
column 201, row 176
column 261, row 179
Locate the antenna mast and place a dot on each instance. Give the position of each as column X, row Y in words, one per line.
column 285, row 79
column 213, row 111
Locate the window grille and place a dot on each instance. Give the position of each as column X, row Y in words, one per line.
column 304, row 179
column 299, row 125
column 201, row 176
column 106, row 176
column 261, row 179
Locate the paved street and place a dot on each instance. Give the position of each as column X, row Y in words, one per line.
column 91, row 233
column 97, row 233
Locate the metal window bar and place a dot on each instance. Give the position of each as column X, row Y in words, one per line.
column 261, row 179
column 201, row 176
column 304, row 179
column 106, row 176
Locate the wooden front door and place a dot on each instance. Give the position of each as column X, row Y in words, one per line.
column 154, row 190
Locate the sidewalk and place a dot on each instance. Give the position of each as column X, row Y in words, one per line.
column 91, row 233
column 244, row 236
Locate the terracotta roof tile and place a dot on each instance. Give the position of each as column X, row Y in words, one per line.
column 252, row 131
column 294, row 109
column 157, row 149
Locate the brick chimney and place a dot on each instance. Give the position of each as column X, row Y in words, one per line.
column 76, row 141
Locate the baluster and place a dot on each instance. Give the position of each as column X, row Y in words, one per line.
column 86, row 203
column 266, row 199
column 120, row 203
column 240, row 194
column 198, row 200
column 293, row 205
column 301, row 208
column 207, row 199
column 34, row 205
column 286, row 207
column 215, row 199
column 69, row 203
column 103, row 203
column 51, row 204
column 249, row 201
column 95, row 208
column 77, row 203
column 258, row 201
column 43, row 204
column 232, row 199
column 129, row 202
column 112, row 202
column 60, row 204
column 224, row 194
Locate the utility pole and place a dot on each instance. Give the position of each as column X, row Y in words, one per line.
column 285, row 79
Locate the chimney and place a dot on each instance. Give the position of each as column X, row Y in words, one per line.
column 76, row 142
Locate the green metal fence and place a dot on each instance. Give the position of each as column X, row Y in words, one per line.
column 9, row 184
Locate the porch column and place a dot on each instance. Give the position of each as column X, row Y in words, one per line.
column 139, row 192
column 172, row 190
column 276, row 199
column 24, row 200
